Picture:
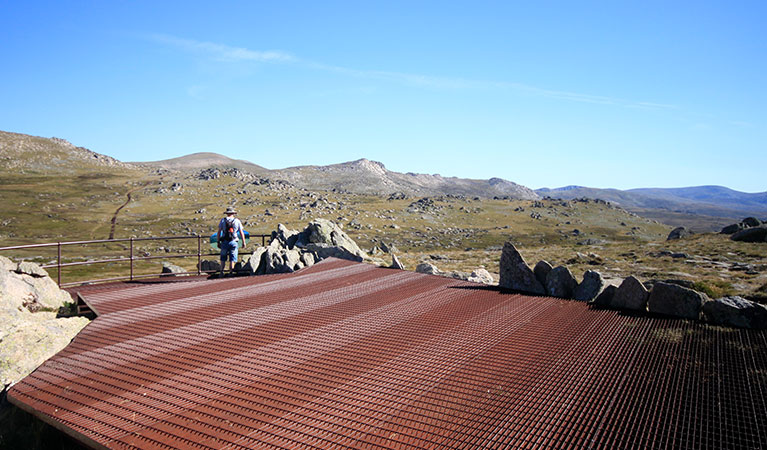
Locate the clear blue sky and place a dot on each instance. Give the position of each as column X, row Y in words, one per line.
column 603, row 94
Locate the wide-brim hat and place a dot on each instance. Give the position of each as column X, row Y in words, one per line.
column 230, row 210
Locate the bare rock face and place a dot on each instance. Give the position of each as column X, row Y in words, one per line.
column 560, row 282
column 735, row 312
column 631, row 294
column 677, row 301
column 541, row 271
column 516, row 274
column 591, row 286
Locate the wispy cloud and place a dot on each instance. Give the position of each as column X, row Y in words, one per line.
column 223, row 52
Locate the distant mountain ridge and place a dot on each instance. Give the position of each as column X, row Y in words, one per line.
column 716, row 201
column 203, row 160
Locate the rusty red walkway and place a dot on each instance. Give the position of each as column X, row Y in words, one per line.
column 346, row 355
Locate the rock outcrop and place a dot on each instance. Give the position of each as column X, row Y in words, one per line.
column 677, row 301
column 291, row 250
column 516, row 274
column 30, row 332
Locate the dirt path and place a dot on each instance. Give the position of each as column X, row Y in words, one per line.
column 127, row 200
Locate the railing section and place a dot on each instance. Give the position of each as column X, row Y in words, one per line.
column 131, row 259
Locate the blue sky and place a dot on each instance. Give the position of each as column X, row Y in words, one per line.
column 603, row 94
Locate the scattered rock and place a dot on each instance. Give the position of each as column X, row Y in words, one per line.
column 631, row 294
column 754, row 234
column 172, row 270
column 730, row 229
column 427, row 268
column 751, row 222
column 207, row 265
column 481, row 276
column 591, row 286
column 560, row 282
column 591, row 241
column 679, row 233
column 541, row 271
column 516, row 274
column 672, row 300
column 395, row 264
column 735, row 312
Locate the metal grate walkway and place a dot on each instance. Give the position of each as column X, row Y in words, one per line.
column 346, row 355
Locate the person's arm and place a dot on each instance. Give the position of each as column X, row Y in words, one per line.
column 218, row 236
column 242, row 234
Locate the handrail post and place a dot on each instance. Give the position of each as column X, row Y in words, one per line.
column 199, row 255
column 131, row 259
column 58, row 264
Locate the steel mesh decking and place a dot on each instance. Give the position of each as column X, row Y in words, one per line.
column 345, row 355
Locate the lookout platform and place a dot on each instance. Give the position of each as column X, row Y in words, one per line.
column 348, row 355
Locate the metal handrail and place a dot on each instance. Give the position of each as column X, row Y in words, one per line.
column 131, row 258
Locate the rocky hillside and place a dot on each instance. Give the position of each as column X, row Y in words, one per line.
column 372, row 177
column 32, row 154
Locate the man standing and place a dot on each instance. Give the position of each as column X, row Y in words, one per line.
column 229, row 234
